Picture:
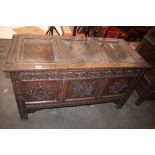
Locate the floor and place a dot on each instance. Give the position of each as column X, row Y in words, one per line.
column 88, row 117
column 6, row 32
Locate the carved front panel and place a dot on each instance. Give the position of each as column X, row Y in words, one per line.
column 81, row 89
column 115, row 86
column 40, row 91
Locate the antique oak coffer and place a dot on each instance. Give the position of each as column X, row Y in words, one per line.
column 57, row 71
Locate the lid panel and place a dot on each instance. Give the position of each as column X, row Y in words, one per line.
column 37, row 50
column 29, row 52
column 80, row 51
column 115, row 52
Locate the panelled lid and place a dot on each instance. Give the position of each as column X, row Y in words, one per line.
column 29, row 52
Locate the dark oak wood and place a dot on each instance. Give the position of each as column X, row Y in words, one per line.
column 57, row 71
column 146, row 87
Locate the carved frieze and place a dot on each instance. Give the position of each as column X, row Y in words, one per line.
column 52, row 75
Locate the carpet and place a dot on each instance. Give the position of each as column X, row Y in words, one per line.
column 29, row 30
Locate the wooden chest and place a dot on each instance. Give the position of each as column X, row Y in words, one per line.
column 56, row 71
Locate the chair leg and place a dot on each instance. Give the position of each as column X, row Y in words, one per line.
column 50, row 31
column 74, row 30
column 106, row 31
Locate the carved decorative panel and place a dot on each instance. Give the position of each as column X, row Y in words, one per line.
column 81, row 89
column 115, row 86
column 118, row 86
column 40, row 91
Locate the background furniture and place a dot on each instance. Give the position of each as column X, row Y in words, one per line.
column 48, row 72
column 57, row 29
column 146, row 87
column 135, row 33
column 100, row 31
column 129, row 33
